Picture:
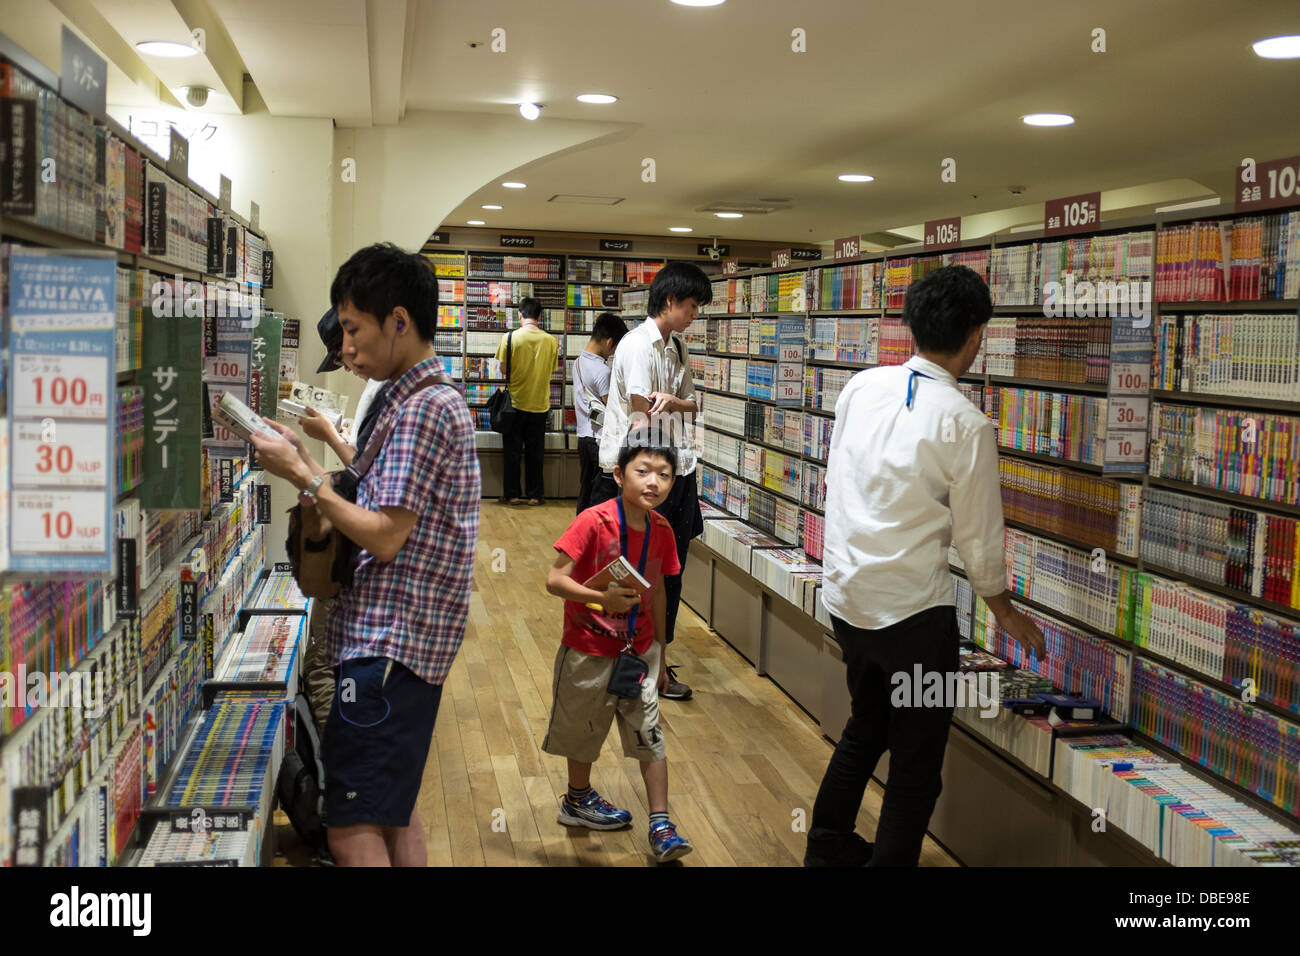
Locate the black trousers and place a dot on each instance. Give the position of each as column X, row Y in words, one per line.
column 915, row 736
column 589, row 463
column 682, row 509
column 528, row 435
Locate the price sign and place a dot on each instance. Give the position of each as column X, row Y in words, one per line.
column 64, row 386
column 226, row 367
column 780, row 258
column 847, row 248
column 942, row 233
column 1126, row 413
column 790, row 392
column 67, row 454
column 791, row 352
column 730, row 266
column 786, row 372
column 1268, row 185
column 1072, row 214
column 1130, row 378
column 58, row 522
column 1126, row 448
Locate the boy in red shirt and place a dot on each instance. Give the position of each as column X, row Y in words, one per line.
column 598, row 626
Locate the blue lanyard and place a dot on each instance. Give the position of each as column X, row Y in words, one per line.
column 640, row 568
column 911, row 384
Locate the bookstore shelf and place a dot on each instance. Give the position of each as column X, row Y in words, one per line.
column 1050, row 460
column 1230, row 401
column 1038, row 383
column 1232, row 305
column 1228, row 496
column 1274, row 607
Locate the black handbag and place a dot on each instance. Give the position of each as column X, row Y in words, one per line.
column 501, row 410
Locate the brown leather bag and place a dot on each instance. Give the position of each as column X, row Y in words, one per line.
column 324, row 566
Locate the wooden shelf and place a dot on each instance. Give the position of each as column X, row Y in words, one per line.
column 1227, row 401
column 1228, row 496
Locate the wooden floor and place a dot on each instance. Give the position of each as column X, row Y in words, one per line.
column 744, row 761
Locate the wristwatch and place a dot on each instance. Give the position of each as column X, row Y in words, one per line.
column 309, row 493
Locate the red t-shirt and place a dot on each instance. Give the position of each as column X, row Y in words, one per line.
column 592, row 542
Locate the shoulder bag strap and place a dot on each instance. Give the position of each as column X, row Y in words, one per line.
column 508, row 334
column 361, row 465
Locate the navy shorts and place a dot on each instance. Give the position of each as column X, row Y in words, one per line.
column 377, row 739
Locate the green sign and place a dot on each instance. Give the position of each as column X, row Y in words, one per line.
column 173, row 412
column 265, row 389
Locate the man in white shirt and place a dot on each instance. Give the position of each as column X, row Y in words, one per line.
column 913, row 467
column 652, row 401
column 591, row 380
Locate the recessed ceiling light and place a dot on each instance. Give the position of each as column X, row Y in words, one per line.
column 1278, row 48
column 514, row 185
column 475, row 222
column 856, row 178
column 730, row 215
column 596, row 98
column 491, row 206
column 165, row 48
column 679, row 228
column 1048, row 119
column 530, row 111
column 698, row 3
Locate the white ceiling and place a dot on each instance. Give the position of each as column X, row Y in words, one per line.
column 730, row 113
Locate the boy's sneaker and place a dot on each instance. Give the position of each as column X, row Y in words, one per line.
column 676, row 690
column 593, row 813
column 666, row 845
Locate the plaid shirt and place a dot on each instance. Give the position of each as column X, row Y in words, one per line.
column 413, row 609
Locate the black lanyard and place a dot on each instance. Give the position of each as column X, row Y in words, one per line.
column 911, row 384
column 640, row 568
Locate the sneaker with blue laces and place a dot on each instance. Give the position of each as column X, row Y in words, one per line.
column 666, row 845
column 593, row 812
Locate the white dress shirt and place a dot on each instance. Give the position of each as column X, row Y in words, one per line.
column 902, row 484
column 645, row 362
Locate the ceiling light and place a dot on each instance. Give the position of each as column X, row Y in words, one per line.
column 491, row 206
column 596, row 98
column 856, row 178
column 1048, row 119
column 165, row 48
column 698, row 3
column 730, row 215
column 530, row 111
column 679, row 228
column 475, row 222
column 1278, row 48
column 514, row 185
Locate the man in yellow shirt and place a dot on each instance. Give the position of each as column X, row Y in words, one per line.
column 533, row 353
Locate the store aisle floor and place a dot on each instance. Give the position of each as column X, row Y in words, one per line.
column 744, row 761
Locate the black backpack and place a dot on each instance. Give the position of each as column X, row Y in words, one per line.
column 300, row 787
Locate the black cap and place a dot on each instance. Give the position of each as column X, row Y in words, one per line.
column 331, row 334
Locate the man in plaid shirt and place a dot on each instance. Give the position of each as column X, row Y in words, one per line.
column 396, row 628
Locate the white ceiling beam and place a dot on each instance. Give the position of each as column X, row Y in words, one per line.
column 386, row 42
column 90, row 23
column 218, row 48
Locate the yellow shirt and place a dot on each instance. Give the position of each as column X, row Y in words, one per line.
column 532, row 363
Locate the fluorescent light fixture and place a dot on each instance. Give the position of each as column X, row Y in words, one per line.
column 1047, row 119
column 475, row 222
column 730, row 215
column 1195, row 204
column 515, row 185
column 698, row 3
column 679, row 229
column 165, row 48
column 1278, row 48
column 490, row 205
column 601, row 98
column 530, row 111
column 856, row 178
column 1027, row 228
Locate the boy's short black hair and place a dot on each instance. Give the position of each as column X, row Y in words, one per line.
column 943, row 307
column 679, row 281
column 530, row 308
column 628, row 452
column 379, row 278
column 608, row 327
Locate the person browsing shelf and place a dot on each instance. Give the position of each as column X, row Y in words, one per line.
column 316, row 425
column 532, row 356
column 591, row 381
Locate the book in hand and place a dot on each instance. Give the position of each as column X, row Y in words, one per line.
column 619, row 572
column 295, row 410
column 239, row 418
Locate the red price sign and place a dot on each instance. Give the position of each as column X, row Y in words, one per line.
column 61, row 386
column 1129, row 378
column 847, row 248
column 781, row 259
column 1268, row 185
column 942, row 233
column 226, row 367
column 730, row 266
column 1072, row 214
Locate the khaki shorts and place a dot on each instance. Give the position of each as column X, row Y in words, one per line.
column 583, row 709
